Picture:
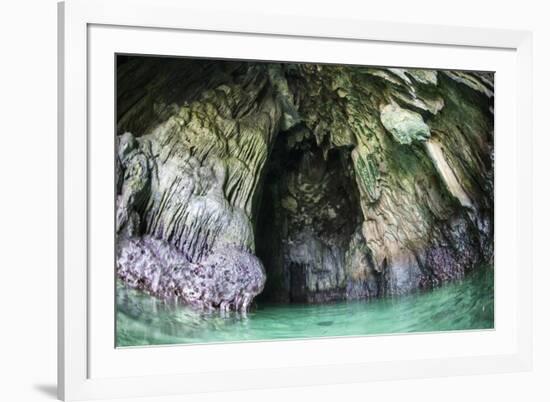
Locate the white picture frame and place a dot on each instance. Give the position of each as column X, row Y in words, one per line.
column 91, row 32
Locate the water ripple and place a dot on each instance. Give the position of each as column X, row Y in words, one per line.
column 463, row 305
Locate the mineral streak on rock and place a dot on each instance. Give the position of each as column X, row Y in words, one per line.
column 447, row 174
column 346, row 182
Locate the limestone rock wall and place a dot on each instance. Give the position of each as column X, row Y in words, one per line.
column 346, row 181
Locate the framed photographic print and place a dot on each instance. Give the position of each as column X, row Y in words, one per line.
column 262, row 201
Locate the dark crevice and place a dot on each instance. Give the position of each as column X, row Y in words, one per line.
column 308, row 212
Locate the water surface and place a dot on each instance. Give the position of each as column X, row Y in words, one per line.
column 462, row 305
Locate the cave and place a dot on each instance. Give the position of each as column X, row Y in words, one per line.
column 307, row 213
column 297, row 182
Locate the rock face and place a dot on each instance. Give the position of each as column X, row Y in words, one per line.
column 346, row 182
column 405, row 126
column 228, row 278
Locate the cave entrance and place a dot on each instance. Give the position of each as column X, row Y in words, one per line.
column 307, row 213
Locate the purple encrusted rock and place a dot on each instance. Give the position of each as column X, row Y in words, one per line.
column 228, row 278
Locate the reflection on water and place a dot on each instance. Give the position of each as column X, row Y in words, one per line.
column 467, row 304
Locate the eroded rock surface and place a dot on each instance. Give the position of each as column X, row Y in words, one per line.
column 228, row 278
column 347, row 182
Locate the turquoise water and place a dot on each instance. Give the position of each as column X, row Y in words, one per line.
column 462, row 305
